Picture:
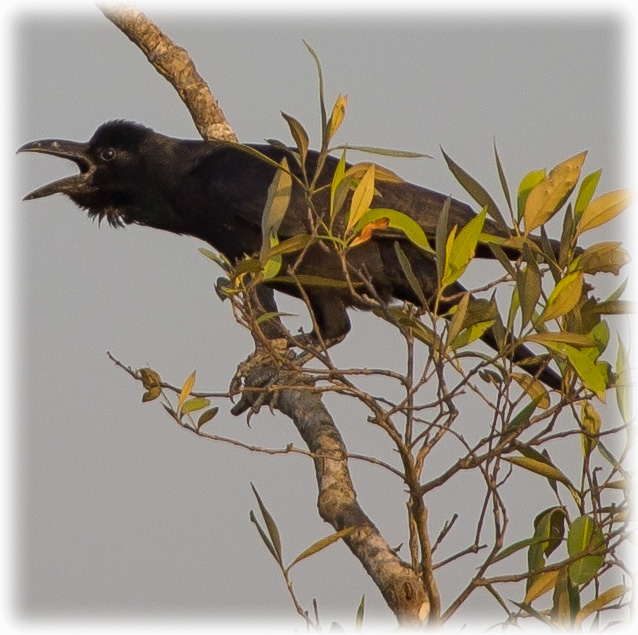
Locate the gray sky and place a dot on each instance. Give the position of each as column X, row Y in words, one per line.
column 122, row 513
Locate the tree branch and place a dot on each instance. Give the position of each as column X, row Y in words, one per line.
column 174, row 63
column 337, row 503
column 399, row 584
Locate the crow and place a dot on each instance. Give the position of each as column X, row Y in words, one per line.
column 217, row 191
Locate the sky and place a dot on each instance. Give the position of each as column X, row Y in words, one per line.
column 121, row 514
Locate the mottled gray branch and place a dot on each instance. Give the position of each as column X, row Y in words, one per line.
column 174, row 63
column 337, row 502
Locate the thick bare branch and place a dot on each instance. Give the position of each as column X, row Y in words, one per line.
column 174, row 63
column 337, row 502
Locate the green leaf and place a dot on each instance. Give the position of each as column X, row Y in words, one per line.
column 277, row 202
column 316, row 281
column 271, row 315
column 528, row 282
column 264, row 537
column 563, row 298
column 458, row 319
column 409, row 274
column 550, row 524
column 529, row 182
column 320, row 544
column 300, row 136
column 590, row 422
column 502, row 179
column 337, row 177
column 471, row 334
column 584, row 535
column 397, row 221
column 517, row 546
column 586, row 192
column 475, row 190
column 590, row 372
column 463, row 249
column 358, row 620
column 564, row 337
column 441, row 239
column 623, row 383
column 603, row 209
column 289, row 246
column 322, row 101
column 196, row 403
column 549, row 195
column 272, row 264
column 205, row 417
column 271, row 526
column 523, row 417
column 541, row 468
column 499, row 254
column 361, row 198
column 214, row 257
column 249, row 265
column 386, row 152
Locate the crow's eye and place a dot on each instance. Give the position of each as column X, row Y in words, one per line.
column 108, row 154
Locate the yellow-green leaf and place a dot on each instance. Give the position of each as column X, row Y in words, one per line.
column 277, row 201
column 586, row 192
column 590, row 423
column 186, row 390
column 584, row 535
column 397, row 221
column 607, row 257
column 549, row 195
column 299, row 134
column 561, row 601
column 534, row 388
column 564, row 297
column 271, row 526
column 456, row 323
column 462, row 250
column 320, row 544
column 597, row 604
column 336, row 117
column 527, row 184
column 623, row 383
column 337, row 177
column 602, row 209
column 542, row 584
column 152, row 393
column 150, row 379
column 592, row 373
column 564, row 337
column 194, row 404
column 538, row 467
column 361, row 198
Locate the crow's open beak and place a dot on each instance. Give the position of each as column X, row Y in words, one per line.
column 76, row 152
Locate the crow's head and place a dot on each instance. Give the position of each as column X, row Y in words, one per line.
column 112, row 166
